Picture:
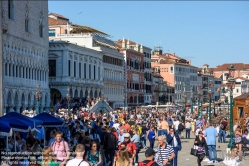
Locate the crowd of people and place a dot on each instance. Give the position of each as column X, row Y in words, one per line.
column 116, row 138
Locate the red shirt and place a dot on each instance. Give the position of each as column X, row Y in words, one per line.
column 116, row 134
column 131, row 147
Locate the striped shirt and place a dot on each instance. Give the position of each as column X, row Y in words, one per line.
column 163, row 154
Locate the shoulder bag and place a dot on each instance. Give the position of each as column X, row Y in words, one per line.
column 194, row 150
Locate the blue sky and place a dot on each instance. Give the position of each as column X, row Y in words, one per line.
column 204, row 32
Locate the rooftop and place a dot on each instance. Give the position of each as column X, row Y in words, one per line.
column 237, row 66
column 243, row 96
column 59, row 16
column 52, row 21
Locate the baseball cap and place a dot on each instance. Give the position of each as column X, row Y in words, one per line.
column 149, row 152
column 126, row 135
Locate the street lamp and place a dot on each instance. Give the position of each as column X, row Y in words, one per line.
column 124, row 102
column 38, row 96
column 68, row 101
column 199, row 98
column 210, row 94
column 231, row 86
column 192, row 98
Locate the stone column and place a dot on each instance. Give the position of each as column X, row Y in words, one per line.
column 18, row 109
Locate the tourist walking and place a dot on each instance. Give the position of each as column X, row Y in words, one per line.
column 222, row 130
column 48, row 157
column 78, row 160
column 211, row 134
column 188, row 129
column 60, row 149
column 201, row 143
column 149, row 161
column 233, row 159
column 164, row 151
column 93, row 157
column 174, row 140
column 152, row 137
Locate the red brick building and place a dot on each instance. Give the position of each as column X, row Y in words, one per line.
column 134, row 59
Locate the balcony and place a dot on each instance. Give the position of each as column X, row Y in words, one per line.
column 113, row 81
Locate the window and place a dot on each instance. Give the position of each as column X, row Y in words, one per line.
column 94, row 72
column 52, row 68
column 237, row 90
column 74, row 66
column 171, row 69
column 11, row 9
column 99, row 72
column 41, row 25
column 80, row 70
column 90, row 71
column 69, row 67
column 51, row 32
column 27, row 19
column 84, row 70
column 6, row 68
column 241, row 112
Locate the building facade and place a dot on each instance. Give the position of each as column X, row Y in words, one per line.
column 177, row 72
column 206, row 75
column 134, row 72
column 222, row 72
column 1, row 62
column 76, row 68
column 113, row 62
column 25, row 54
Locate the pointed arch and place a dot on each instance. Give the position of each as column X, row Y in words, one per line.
column 95, row 94
column 81, row 93
column 9, row 99
column 76, row 93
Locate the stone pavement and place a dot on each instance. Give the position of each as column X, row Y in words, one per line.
column 185, row 159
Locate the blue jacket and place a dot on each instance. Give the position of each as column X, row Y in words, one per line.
column 170, row 141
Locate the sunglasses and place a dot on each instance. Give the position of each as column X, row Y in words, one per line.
column 94, row 146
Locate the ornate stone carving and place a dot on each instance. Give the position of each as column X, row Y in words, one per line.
column 85, row 59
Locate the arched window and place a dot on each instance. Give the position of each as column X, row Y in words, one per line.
column 131, row 99
column 11, row 9
column 41, row 25
column 27, row 18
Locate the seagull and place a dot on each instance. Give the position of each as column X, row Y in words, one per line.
column 80, row 12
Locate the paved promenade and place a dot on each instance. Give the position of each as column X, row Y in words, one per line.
column 185, row 159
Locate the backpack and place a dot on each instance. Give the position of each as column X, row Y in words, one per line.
column 222, row 126
column 144, row 164
column 180, row 127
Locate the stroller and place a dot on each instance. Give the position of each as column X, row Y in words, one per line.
column 245, row 145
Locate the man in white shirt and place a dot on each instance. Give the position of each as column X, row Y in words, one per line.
column 78, row 160
column 176, row 124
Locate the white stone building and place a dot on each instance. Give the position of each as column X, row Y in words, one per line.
column 76, row 68
column 25, row 54
column 113, row 62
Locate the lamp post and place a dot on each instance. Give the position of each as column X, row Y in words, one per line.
column 38, row 96
column 199, row 98
column 210, row 94
column 124, row 102
column 231, row 85
column 68, row 101
column 192, row 98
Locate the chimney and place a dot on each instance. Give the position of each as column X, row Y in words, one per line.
column 123, row 44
